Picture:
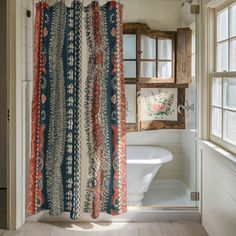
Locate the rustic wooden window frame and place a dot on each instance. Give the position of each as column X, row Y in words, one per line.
column 142, row 29
column 158, row 35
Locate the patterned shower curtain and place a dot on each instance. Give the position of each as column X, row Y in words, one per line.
column 56, row 176
column 105, row 110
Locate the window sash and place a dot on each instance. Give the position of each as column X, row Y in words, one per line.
column 222, row 141
column 229, row 37
column 157, row 60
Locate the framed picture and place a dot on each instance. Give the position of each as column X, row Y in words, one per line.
column 159, row 104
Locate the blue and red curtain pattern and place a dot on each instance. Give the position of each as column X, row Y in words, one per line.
column 55, row 176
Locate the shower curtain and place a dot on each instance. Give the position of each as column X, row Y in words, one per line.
column 56, row 166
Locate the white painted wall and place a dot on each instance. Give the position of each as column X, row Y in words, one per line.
column 218, row 191
column 158, row 14
column 3, row 95
column 169, row 139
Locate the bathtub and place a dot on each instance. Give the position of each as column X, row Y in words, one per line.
column 143, row 162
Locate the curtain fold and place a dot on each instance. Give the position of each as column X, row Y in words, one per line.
column 56, row 150
column 105, row 110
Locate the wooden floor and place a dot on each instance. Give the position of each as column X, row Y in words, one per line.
column 110, row 229
column 100, row 229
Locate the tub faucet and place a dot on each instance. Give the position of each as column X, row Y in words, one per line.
column 186, row 107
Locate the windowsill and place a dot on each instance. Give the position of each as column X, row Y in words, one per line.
column 220, row 150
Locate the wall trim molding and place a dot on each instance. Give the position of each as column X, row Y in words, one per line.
column 15, row 160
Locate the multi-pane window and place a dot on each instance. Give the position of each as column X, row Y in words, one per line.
column 157, row 59
column 226, row 39
column 152, row 88
column 130, row 55
column 223, row 80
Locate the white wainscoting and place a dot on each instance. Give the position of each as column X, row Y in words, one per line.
column 168, row 139
column 218, row 191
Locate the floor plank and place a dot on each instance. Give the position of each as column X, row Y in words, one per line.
column 114, row 229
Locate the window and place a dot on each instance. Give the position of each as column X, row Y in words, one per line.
column 152, row 89
column 223, row 80
column 157, row 58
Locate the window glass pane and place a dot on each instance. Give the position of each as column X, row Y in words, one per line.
column 148, row 47
column 216, row 121
column 130, row 95
column 148, row 69
column 193, row 65
column 217, row 92
column 130, row 69
column 222, row 57
column 164, row 49
column 129, row 43
column 193, row 42
column 233, row 20
column 230, row 93
column 222, row 25
column 230, row 126
column 233, row 54
column 164, row 70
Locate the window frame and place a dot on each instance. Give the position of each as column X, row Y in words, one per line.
column 133, row 126
column 221, row 141
column 142, row 29
column 158, row 35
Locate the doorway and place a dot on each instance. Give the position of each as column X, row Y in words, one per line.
column 3, row 115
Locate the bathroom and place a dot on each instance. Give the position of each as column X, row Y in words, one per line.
column 175, row 181
column 171, row 184
column 169, row 148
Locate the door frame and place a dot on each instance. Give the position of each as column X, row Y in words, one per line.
column 15, row 159
column 16, row 166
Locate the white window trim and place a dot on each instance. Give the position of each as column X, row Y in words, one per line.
column 212, row 73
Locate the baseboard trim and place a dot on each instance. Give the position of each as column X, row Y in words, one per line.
column 140, row 215
column 136, row 214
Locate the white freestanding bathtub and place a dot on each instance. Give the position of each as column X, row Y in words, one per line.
column 143, row 162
